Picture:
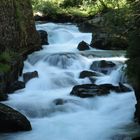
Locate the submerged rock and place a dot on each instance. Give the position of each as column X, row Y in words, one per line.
column 12, row 121
column 83, row 46
column 29, row 75
column 44, row 37
column 62, row 60
column 87, row 73
column 61, row 101
column 102, row 66
column 3, row 97
column 91, row 90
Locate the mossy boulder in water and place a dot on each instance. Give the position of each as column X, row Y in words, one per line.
column 92, row 90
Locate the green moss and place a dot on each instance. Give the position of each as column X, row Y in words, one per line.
column 6, row 59
column 4, row 68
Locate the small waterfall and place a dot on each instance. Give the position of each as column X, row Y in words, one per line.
column 46, row 100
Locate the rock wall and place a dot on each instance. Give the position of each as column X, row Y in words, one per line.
column 17, row 35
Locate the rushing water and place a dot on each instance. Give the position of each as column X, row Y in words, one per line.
column 59, row 65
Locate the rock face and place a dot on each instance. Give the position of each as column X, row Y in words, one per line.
column 107, row 42
column 44, row 37
column 91, row 90
column 29, row 75
column 83, row 46
column 12, row 121
column 17, row 27
column 102, row 66
column 17, row 34
column 16, row 86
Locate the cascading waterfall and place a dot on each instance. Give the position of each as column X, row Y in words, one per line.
column 59, row 65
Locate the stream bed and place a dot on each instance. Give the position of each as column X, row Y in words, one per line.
column 46, row 101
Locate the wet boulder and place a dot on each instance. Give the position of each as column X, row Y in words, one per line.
column 16, row 86
column 87, row 73
column 92, row 75
column 44, row 37
column 29, row 75
column 83, row 46
column 103, row 66
column 3, row 96
column 91, row 90
column 12, row 121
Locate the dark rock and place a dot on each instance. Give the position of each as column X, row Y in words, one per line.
column 102, row 66
column 124, row 88
column 91, row 90
column 3, row 97
column 29, row 75
column 102, row 40
column 12, row 121
column 44, row 37
column 83, row 46
column 137, row 138
column 137, row 112
column 16, row 86
column 121, row 137
column 61, row 101
column 86, row 73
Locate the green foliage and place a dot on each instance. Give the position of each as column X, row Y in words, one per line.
column 75, row 7
column 72, row 3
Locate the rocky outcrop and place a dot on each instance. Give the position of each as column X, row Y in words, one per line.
column 16, row 86
column 29, row 75
column 105, row 41
column 12, row 121
column 102, row 66
column 9, row 79
column 18, row 36
column 92, row 90
column 83, row 46
column 44, row 37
